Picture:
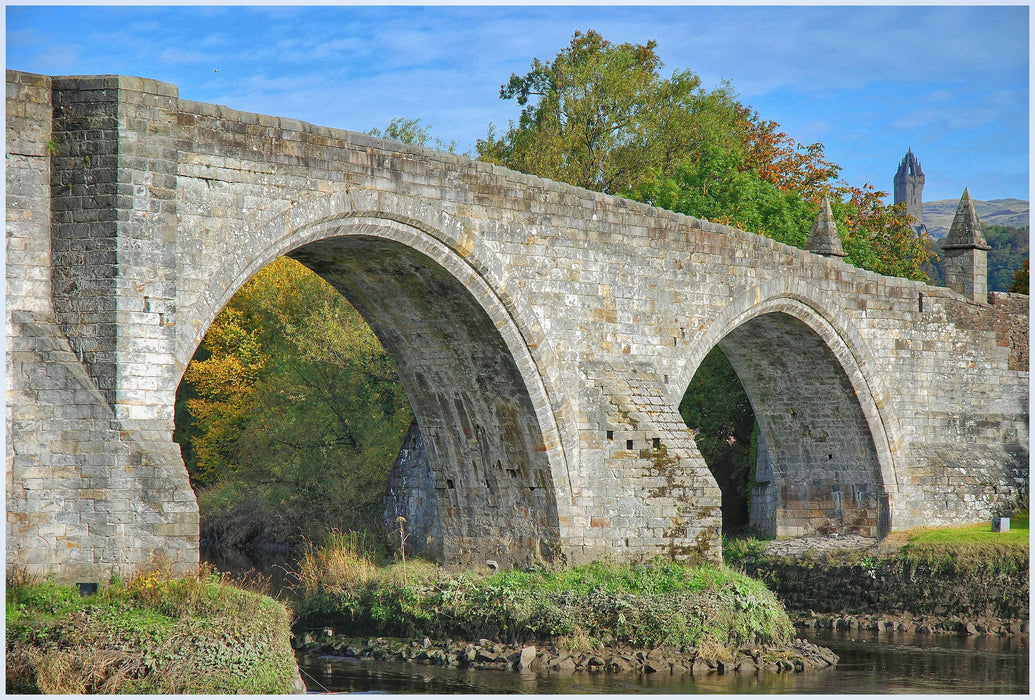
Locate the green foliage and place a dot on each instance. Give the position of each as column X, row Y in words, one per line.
column 154, row 634
column 414, row 132
column 1009, row 251
column 600, row 116
column 290, row 413
column 717, row 186
column 717, row 410
column 654, row 604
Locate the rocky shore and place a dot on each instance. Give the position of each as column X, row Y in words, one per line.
column 798, row 656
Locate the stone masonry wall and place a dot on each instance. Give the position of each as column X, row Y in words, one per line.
column 597, row 310
column 89, row 494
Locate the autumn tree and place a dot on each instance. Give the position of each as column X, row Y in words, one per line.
column 291, row 413
column 1020, row 280
column 600, row 116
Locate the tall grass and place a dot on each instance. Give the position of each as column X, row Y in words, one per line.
column 656, row 604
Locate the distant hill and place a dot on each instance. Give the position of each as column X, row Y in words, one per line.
column 1004, row 212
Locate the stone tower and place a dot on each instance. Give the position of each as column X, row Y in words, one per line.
column 966, row 253
column 909, row 188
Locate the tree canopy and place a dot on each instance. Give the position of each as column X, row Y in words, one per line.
column 601, row 116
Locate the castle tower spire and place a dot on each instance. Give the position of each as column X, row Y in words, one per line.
column 966, row 253
column 909, row 188
column 824, row 239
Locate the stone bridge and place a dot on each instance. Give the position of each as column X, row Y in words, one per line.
column 543, row 333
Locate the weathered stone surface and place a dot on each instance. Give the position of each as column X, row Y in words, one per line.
column 544, row 334
column 823, row 238
column 966, row 253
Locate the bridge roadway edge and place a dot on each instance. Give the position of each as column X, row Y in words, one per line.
column 596, row 288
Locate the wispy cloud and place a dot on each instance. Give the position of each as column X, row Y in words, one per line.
column 866, row 81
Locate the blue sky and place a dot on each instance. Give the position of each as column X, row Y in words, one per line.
column 867, row 82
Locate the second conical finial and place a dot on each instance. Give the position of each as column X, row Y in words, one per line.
column 965, row 231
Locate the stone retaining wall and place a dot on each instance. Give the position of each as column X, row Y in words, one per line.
column 875, row 585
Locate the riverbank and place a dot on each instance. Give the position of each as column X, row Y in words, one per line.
column 947, row 580
column 152, row 635
column 655, row 617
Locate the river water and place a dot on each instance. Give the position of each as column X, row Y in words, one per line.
column 871, row 663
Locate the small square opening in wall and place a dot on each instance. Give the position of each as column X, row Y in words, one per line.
column 610, row 435
column 656, row 444
column 628, row 444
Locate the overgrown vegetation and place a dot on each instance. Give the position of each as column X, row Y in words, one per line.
column 153, row 634
column 649, row 605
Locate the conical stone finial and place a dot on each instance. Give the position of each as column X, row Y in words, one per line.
column 965, row 231
column 824, row 239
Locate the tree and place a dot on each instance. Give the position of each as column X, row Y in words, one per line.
column 414, row 132
column 599, row 116
column 291, row 413
column 1020, row 280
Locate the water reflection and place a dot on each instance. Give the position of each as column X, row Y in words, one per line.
column 885, row 662
column 870, row 663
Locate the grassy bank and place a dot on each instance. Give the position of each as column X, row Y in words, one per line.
column 963, row 573
column 645, row 606
column 150, row 635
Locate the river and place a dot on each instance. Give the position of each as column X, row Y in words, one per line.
column 871, row 663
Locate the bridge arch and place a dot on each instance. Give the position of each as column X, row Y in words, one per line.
column 473, row 362
column 830, row 443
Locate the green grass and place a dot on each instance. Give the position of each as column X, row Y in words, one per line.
column 976, row 535
column 648, row 605
column 969, row 547
column 152, row 634
column 963, row 548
